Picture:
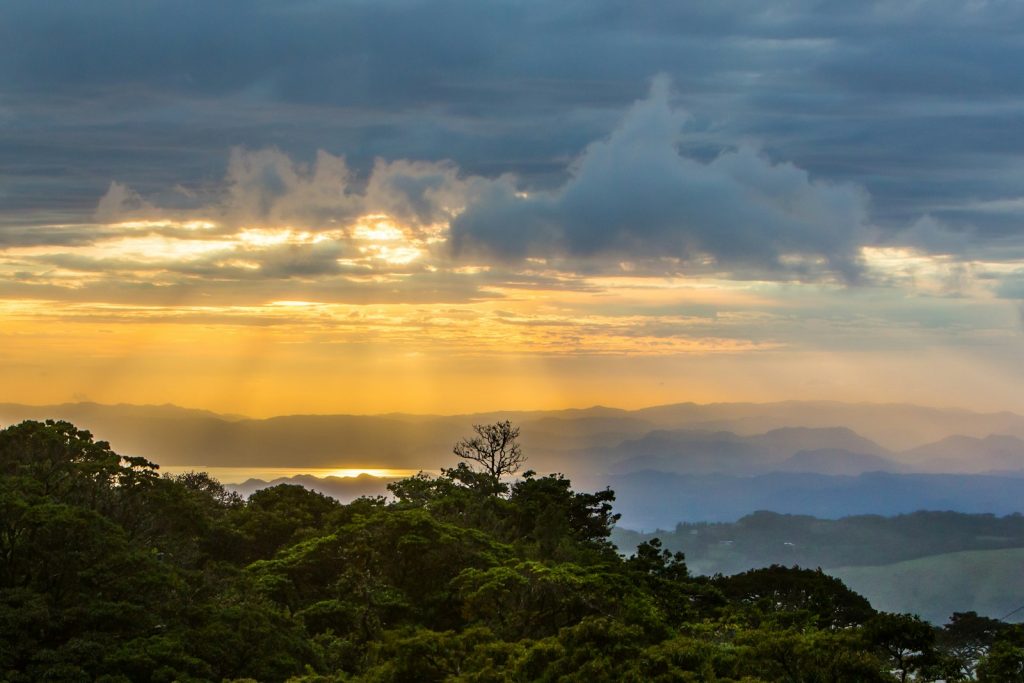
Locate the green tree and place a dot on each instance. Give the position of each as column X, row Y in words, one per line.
column 965, row 641
column 789, row 592
column 905, row 641
column 274, row 518
column 812, row 656
column 1004, row 663
column 552, row 521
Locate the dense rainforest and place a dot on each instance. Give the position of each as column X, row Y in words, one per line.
column 111, row 572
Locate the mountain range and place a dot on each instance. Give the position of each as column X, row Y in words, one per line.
column 687, row 437
column 667, row 463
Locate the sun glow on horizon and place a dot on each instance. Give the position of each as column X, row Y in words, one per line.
column 241, row 474
column 379, row 472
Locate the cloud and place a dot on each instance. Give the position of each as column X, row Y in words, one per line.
column 633, row 195
column 917, row 103
column 1011, row 286
column 301, row 260
column 934, row 236
column 121, row 202
column 416, row 192
column 631, row 201
column 266, row 186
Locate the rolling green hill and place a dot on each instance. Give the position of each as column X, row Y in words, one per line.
column 989, row 582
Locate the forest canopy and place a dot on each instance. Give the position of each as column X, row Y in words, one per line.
column 110, row 571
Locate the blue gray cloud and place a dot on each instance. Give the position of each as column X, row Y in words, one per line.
column 920, row 104
column 634, row 196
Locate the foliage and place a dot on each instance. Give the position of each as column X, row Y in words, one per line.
column 777, row 591
column 109, row 572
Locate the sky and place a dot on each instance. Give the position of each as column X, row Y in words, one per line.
column 320, row 206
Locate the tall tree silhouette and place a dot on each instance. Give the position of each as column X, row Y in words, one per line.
column 495, row 451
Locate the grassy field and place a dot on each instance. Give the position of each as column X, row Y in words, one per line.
column 989, row 582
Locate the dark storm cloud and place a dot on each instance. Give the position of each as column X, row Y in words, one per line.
column 921, row 104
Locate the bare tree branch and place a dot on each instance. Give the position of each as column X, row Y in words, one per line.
column 494, row 449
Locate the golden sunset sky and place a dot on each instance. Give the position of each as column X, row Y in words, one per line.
column 264, row 233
